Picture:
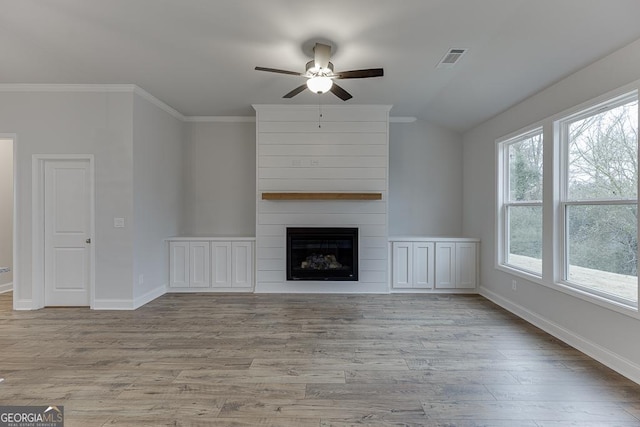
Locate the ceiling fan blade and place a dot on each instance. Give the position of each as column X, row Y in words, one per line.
column 275, row 70
column 340, row 92
column 321, row 54
column 360, row 74
column 295, row 91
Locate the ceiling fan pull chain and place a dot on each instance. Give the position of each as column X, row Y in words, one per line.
column 319, row 112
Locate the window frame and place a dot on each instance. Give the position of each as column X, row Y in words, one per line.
column 504, row 202
column 553, row 228
column 561, row 139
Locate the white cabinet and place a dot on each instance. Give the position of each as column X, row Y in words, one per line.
column 445, row 265
column 434, row 264
column 189, row 264
column 179, row 264
column 412, row 265
column 456, row 265
column 199, row 268
column 232, row 264
column 241, row 264
column 212, row 264
column 466, row 265
column 221, row 264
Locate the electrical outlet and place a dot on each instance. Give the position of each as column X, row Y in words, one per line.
column 514, row 285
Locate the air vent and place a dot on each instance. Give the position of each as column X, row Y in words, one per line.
column 451, row 58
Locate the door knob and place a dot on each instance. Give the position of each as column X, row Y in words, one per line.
column 88, row 241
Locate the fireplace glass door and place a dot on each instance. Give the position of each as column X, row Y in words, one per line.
column 322, row 253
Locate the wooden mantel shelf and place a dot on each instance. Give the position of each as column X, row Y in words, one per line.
column 321, row 196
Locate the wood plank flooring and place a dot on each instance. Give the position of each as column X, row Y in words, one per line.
column 305, row 360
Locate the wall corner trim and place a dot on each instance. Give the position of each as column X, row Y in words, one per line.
column 603, row 355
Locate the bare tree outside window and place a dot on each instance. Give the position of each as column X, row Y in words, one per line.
column 524, row 203
column 601, row 204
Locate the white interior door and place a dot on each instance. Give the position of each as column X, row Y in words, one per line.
column 67, row 232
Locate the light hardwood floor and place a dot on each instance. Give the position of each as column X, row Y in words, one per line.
column 305, row 360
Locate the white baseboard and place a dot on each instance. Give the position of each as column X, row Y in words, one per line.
column 7, row 287
column 112, row 304
column 23, row 304
column 127, row 304
column 149, row 296
column 603, row 355
column 171, row 290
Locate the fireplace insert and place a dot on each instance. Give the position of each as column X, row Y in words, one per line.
column 322, row 253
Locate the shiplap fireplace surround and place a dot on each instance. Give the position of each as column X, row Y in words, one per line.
column 322, row 167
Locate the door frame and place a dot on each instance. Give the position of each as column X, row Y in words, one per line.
column 14, row 230
column 37, row 224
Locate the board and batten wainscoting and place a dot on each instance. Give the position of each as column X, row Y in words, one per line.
column 211, row 264
column 322, row 149
column 434, row 264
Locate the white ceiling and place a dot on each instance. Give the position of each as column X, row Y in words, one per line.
column 198, row 55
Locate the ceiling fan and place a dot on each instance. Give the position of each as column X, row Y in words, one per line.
column 320, row 75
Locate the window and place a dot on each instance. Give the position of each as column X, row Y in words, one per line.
column 520, row 217
column 599, row 200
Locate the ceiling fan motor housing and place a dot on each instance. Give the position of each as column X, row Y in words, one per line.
column 312, row 71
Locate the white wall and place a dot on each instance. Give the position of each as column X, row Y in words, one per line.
column 6, row 212
column 425, row 180
column 159, row 201
column 220, row 179
column 83, row 122
column 349, row 153
column 603, row 333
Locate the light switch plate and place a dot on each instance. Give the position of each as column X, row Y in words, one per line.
column 118, row 222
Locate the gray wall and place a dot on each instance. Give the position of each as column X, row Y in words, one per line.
column 425, row 180
column 77, row 123
column 603, row 332
column 220, row 169
column 158, row 194
column 6, row 211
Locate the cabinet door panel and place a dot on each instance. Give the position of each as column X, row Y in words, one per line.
column 221, row 264
column 242, row 264
column 465, row 265
column 402, row 265
column 445, row 265
column 199, row 267
column 423, row 265
column 179, row 264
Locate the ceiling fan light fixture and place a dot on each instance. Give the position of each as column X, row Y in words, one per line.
column 319, row 84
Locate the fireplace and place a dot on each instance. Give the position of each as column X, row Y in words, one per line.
column 322, row 253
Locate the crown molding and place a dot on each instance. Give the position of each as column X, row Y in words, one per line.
column 252, row 119
column 402, row 119
column 63, row 87
column 155, row 101
column 91, row 88
column 131, row 88
column 228, row 119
